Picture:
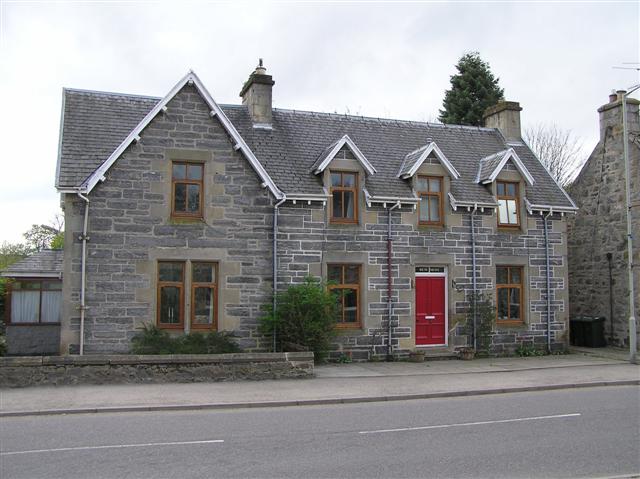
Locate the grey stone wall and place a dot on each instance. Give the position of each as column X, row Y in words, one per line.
column 307, row 242
column 25, row 340
column 600, row 227
column 131, row 228
column 57, row 371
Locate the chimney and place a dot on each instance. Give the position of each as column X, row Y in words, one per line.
column 611, row 114
column 505, row 116
column 256, row 94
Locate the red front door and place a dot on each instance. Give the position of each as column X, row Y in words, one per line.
column 430, row 307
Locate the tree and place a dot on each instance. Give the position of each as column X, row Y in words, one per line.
column 557, row 149
column 473, row 90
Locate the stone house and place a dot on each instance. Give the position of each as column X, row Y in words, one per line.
column 180, row 212
column 598, row 274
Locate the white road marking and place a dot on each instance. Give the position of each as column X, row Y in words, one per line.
column 113, row 446
column 465, row 424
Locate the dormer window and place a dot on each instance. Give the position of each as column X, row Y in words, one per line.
column 344, row 197
column 429, row 189
column 508, row 204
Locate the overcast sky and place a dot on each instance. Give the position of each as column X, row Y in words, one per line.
column 384, row 59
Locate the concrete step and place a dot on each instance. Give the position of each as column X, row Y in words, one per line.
column 439, row 354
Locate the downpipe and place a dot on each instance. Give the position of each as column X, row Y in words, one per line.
column 546, row 253
column 474, row 286
column 83, row 275
column 389, row 281
column 276, row 211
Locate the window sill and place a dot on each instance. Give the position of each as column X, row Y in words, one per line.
column 171, row 326
column 347, row 328
column 203, row 328
column 431, row 227
column 33, row 324
column 511, row 324
column 509, row 229
column 186, row 220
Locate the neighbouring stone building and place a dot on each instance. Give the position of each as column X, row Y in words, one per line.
column 34, row 304
column 598, row 232
column 174, row 208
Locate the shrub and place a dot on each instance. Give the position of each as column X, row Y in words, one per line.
column 305, row 317
column 153, row 340
column 485, row 313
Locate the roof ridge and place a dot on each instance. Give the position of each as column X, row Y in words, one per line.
column 388, row 120
column 110, row 93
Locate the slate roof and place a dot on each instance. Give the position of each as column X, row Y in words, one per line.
column 411, row 159
column 45, row 263
column 489, row 164
column 95, row 123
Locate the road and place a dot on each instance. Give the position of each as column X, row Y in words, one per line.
column 567, row 433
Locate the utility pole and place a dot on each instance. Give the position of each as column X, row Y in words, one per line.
column 633, row 347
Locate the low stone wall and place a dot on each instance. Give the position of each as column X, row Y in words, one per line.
column 183, row 368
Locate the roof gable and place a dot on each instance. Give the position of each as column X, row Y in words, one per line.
column 490, row 166
column 332, row 150
column 414, row 160
column 192, row 79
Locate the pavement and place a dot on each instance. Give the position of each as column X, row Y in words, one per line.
column 333, row 384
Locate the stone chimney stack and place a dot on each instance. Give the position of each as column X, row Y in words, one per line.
column 505, row 116
column 611, row 114
column 256, row 94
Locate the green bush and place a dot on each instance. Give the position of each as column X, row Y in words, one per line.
column 485, row 314
column 305, row 318
column 153, row 340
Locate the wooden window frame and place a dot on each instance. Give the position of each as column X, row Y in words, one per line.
column 200, row 183
column 508, row 286
column 357, row 324
column 214, row 287
column 180, row 286
column 428, row 194
column 516, row 198
column 343, row 189
column 9, row 292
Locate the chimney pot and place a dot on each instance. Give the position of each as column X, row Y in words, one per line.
column 613, row 96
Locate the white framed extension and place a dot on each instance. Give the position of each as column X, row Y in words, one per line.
column 433, row 273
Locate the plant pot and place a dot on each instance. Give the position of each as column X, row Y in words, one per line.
column 467, row 354
column 416, row 357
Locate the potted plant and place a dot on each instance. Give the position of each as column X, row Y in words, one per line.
column 467, row 353
column 416, row 356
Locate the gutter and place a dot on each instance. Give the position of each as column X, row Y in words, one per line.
column 546, row 253
column 389, row 286
column 275, row 264
column 83, row 238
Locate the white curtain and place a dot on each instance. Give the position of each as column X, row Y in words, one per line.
column 25, row 306
column 51, row 306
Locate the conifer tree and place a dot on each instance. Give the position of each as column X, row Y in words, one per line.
column 473, row 89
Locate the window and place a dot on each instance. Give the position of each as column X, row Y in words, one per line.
column 430, row 193
column 36, row 302
column 171, row 294
column 344, row 281
column 187, row 189
column 508, row 208
column 203, row 295
column 344, row 197
column 509, row 293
